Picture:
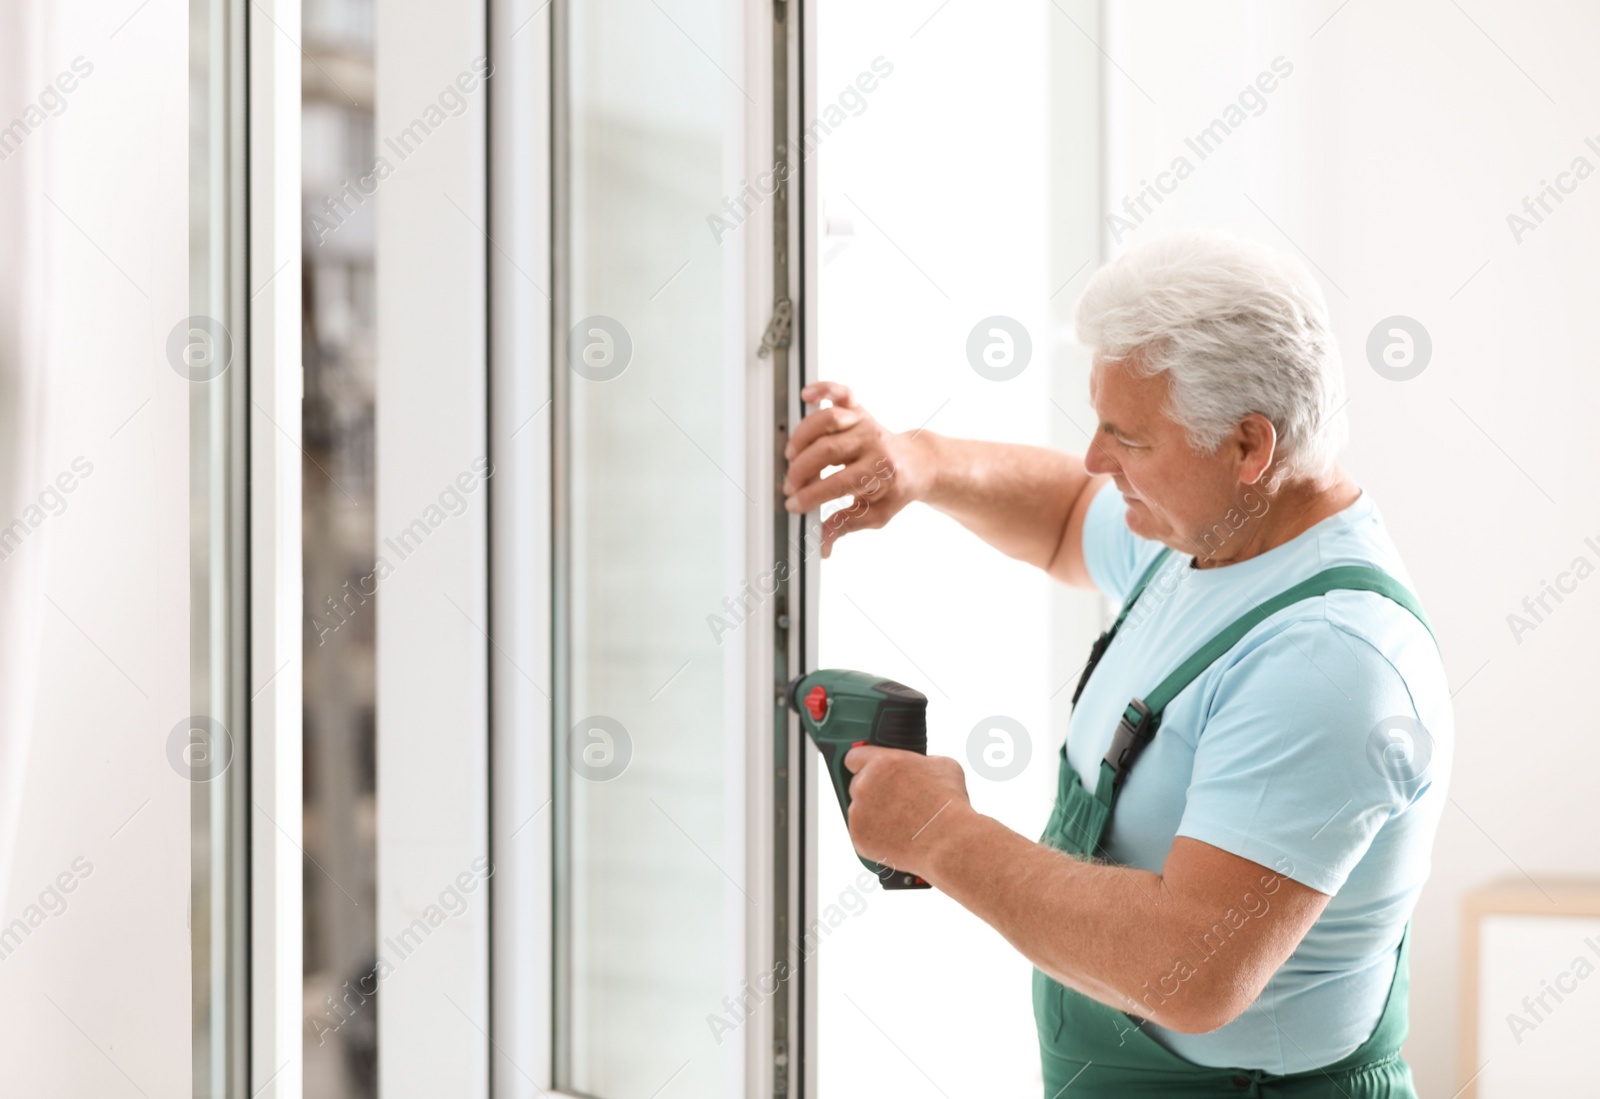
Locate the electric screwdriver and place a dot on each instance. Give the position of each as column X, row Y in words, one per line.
column 840, row 709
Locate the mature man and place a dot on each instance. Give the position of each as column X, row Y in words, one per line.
column 1260, row 747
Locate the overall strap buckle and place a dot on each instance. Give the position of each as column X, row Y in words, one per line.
column 1136, row 729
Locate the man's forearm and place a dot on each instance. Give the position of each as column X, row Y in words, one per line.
column 1190, row 947
column 1016, row 498
column 1106, row 931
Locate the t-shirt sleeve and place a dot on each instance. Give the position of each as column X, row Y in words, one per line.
column 1113, row 554
column 1289, row 770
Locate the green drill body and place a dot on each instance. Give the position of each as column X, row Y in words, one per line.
column 840, row 709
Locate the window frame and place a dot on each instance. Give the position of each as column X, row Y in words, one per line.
column 527, row 211
column 270, row 980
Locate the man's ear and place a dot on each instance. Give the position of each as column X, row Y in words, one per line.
column 1258, row 442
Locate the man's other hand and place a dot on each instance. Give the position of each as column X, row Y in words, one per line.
column 898, row 800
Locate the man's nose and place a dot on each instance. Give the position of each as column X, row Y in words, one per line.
column 1096, row 460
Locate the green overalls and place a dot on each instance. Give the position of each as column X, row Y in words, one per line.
column 1090, row 1050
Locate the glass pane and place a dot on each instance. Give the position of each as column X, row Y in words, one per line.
column 651, row 892
column 339, row 545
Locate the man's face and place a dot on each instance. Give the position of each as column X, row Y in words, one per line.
column 1175, row 494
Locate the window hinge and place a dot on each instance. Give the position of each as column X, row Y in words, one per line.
column 776, row 336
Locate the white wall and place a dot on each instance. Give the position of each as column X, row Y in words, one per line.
column 96, row 997
column 1391, row 156
column 962, row 182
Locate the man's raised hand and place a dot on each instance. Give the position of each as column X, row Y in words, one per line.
column 882, row 471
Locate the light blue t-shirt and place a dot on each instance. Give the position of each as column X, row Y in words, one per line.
column 1298, row 750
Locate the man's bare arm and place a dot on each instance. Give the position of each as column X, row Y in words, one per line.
column 1189, row 948
column 1128, row 937
column 1028, row 502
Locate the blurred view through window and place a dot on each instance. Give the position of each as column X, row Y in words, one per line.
column 339, row 224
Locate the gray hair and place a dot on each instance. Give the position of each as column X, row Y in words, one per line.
column 1238, row 328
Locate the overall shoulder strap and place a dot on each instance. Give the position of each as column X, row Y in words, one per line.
column 1142, row 717
column 1338, row 578
column 1104, row 640
column 1144, row 581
